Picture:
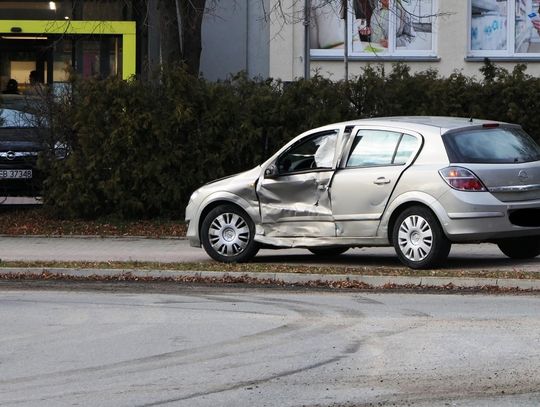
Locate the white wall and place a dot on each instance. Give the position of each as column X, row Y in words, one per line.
column 235, row 38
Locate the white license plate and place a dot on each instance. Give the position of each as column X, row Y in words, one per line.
column 15, row 174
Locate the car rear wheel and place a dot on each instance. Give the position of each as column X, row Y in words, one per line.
column 520, row 248
column 227, row 235
column 328, row 251
column 418, row 239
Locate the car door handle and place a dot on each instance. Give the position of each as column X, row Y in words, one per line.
column 322, row 187
column 381, row 181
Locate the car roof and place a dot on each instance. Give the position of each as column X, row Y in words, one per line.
column 419, row 123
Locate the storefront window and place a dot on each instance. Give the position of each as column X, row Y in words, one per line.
column 63, row 59
column 54, row 57
column 98, row 57
column 504, row 28
column 376, row 28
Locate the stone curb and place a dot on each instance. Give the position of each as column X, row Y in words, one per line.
column 287, row 278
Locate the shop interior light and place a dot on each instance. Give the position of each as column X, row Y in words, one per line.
column 12, row 37
column 52, row 5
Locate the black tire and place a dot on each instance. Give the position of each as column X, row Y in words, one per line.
column 227, row 235
column 520, row 247
column 418, row 239
column 328, row 251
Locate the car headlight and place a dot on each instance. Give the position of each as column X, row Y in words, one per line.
column 60, row 150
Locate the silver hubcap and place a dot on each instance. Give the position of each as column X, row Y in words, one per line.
column 415, row 238
column 229, row 234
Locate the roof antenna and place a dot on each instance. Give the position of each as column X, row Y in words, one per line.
column 471, row 120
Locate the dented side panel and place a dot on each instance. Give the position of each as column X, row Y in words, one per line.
column 296, row 205
column 297, row 202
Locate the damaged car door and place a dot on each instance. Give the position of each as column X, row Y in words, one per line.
column 294, row 190
column 367, row 177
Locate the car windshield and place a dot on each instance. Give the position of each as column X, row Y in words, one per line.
column 15, row 118
column 491, row 145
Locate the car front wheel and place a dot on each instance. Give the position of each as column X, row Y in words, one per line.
column 227, row 235
column 521, row 247
column 418, row 239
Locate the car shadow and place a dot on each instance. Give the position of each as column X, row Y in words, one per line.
column 454, row 262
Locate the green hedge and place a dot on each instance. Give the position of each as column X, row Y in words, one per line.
column 138, row 149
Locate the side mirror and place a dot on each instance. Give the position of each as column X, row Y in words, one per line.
column 271, row 171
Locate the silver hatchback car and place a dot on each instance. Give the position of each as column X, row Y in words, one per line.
column 417, row 183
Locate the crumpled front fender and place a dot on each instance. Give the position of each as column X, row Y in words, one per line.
column 251, row 207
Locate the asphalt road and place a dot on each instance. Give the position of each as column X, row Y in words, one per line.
column 216, row 347
column 475, row 256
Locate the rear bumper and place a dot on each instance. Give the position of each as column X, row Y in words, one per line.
column 21, row 187
column 474, row 230
column 479, row 216
column 31, row 187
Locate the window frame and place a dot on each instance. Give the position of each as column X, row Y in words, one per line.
column 125, row 29
column 510, row 51
column 392, row 51
column 347, row 152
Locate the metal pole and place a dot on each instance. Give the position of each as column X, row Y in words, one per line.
column 346, row 39
column 307, row 45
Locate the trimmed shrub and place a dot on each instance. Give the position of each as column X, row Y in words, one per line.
column 138, row 149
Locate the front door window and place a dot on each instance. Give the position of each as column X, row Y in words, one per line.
column 315, row 153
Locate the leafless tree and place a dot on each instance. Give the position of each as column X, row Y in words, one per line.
column 181, row 23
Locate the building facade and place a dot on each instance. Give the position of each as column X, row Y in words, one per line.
column 445, row 35
column 269, row 38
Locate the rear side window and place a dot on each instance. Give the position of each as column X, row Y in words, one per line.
column 381, row 148
column 491, row 145
column 407, row 146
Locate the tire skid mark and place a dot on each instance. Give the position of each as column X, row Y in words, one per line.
column 245, row 383
column 304, row 327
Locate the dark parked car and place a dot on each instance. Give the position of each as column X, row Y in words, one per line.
column 20, row 145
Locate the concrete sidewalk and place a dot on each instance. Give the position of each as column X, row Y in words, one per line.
column 92, row 249
column 98, row 249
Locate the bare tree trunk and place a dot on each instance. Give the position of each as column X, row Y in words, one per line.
column 191, row 14
column 140, row 14
column 170, row 41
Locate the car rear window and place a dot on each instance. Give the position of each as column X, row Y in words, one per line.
column 491, row 145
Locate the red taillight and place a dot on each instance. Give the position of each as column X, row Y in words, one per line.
column 461, row 179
